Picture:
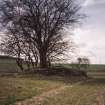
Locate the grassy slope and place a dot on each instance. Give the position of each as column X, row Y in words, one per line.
column 8, row 65
column 19, row 88
column 22, row 87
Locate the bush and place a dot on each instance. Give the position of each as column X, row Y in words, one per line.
column 61, row 71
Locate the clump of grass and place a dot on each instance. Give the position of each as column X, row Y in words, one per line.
column 10, row 100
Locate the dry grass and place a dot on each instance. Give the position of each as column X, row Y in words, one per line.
column 20, row 88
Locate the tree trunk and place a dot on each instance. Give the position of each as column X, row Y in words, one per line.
column 43, row 60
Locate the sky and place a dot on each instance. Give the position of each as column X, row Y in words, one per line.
column 90, row 36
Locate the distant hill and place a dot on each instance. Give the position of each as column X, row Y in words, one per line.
column 8, row 64
column 6, row 57
column 92, row 67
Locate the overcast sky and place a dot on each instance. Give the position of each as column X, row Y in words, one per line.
column 90, row 37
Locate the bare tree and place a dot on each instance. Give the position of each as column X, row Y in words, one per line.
column 83, row 62
column 37, row 24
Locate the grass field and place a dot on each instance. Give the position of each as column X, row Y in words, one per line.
column 23, row 87
column 74, row 92
column 92, row 67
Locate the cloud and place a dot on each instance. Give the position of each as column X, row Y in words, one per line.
column 88, row 2
column 90, row 43
column 90, row 37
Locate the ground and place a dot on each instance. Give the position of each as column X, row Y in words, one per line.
column 43, row 90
